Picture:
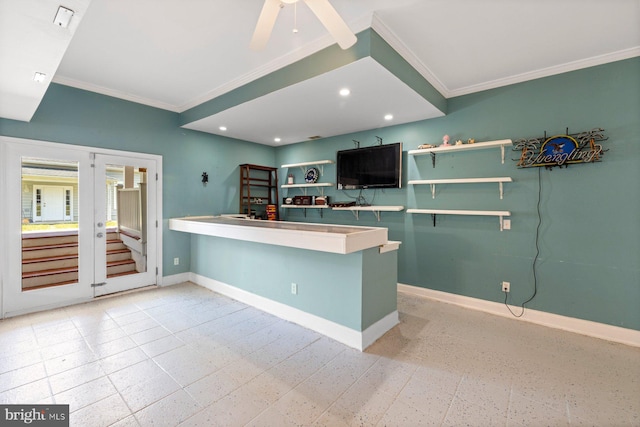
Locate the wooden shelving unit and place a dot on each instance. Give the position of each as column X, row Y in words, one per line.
column 258, row 188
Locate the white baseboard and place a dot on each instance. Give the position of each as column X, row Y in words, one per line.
column 584, row 327
column 378, row 329
column 174, row 279
column 340, row 333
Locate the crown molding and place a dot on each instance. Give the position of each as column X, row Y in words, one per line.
column 407, row 54
column 550, row 71
column 398, row 45
column 114, row 93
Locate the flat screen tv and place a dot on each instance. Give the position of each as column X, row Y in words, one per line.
column 379, row 166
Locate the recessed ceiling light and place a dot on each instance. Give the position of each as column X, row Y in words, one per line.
column 39, row 77
column 344, row 92
column 388, row 117
column 277, row 139
column 222, row 128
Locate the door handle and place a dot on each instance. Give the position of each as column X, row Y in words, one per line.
column 100, row 235
column 99, row 224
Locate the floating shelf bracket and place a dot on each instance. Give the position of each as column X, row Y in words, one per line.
column 318, row 163
column 318, row 185
column 356, row 213
column 377, row 210
column 305, row 207
column 435, row 212
column 464, row 147
column 433, row 182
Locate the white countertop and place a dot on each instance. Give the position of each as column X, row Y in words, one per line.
column 340, row 239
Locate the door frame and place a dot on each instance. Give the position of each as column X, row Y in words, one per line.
column 147, row 277
column 43, row 187
column 10, row 205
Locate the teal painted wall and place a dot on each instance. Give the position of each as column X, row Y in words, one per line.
column 341, row 288
column 378, row 299
column 72, row 116
column 589, row 263
column 590, row 235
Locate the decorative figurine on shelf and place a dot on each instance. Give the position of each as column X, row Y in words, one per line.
column 459, row 142
column 471, row 141
column 445, row 141
column 423, row 146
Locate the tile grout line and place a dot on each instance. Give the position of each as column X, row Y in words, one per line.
column 455, row 393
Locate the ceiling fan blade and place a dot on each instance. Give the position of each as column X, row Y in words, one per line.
column 333, row 22
column 265, row 24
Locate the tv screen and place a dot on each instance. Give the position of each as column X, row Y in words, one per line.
column 379, row 166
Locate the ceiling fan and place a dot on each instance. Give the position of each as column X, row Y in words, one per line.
column 321, row 8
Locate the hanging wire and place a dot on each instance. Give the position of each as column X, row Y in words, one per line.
column 295, row 18
column 535, row 259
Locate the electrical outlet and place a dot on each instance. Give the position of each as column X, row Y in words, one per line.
column 506, row 286
column 506, row 224
column 294, row 288
column 176, row 261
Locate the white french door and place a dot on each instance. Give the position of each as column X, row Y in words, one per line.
column 135, row 224
column 87, row 255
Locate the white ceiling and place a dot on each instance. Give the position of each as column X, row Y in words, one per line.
column 176, row 55
column 304, row 110
column 30, row 43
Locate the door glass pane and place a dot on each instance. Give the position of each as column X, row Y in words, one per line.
column 49, row 223
column 126, row 208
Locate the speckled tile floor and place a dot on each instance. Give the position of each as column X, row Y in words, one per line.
column 186, row 356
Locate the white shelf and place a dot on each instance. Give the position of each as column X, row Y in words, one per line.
column 434, row 212
column 304, row 206
column 432, row 182
column 320, row 164
column 300, row 165
column 375, row 209
column 464, row 147
column 315, row 184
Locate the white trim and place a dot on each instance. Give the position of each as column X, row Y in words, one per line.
column 80, row 148
column 278, row 63
column 407, row 54
column 579, row 326
column 91, row 87
column 549, row 71
column 340, row 333
column 174, row 279
column 378, row 329
column 398, row 45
